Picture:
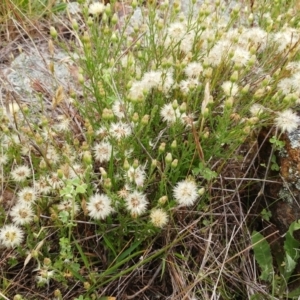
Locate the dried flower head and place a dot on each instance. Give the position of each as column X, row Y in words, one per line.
column 120, row 130
column 20, row 173
column 185, row 192
column 287, row 120
column 159, row 217
column 136, row 175
column 11, row 236
column 96, row 8
column 102, row 151
column 99, row 206
column 69, row 205
column 22, row 213
column 136, row 203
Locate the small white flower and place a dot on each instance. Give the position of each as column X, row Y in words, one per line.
column 44, row 276
column 230, row 88
column 52, row 155
column 176, row 30
column 169, row 114
column 256, row 109
column 63, row 124
column 54, row 181
column 77, row 170
column 11, row 236
column 3, row 159
column 120, row 130
column 186, row 192
column 119, row 109
column 152, row 79
column 241, row 56
column 137, row 92
column 102, row 151
column 22, row 213
column 193, row 69
column 27, row 195
column 287, row 120
column 20, row 173
column 136, row 203
column 69, row 206
column 99, row 206
column 42, row 186
column 96, row 8
column 159, row 217
column 136, row 175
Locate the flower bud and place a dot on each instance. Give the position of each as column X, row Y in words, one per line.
column 162, row 148
column 145, row 120
column 53, row 32
column 162, row 200
column 168, row 158
column 174, row 163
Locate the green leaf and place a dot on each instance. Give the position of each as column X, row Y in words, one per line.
column 129, row 250
column 263, row 255
column 291, row 247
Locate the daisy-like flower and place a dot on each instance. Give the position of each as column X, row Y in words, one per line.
column 119, row 109
column 52, row 155
column 152, row 79
column 96, row 8
column 287, row 120
column 20, row 173
column 176, row 30
column 241, row 56
column 136, row 175
column 120, row 130
column 11, row 236
column 137, row 91
column 69, row 206
column 44, row 276
column 102, row 151
column 187, row 85
column 63, row 124
column 77, row 170
column 3, row 159
column 136, row 203
column 54, row 181
column 256, row 109
column 169, row 114
column 99, row 206
column 42, row 186
column 159, row 217
column 230, row 88
column 219, row 52
column 27, row 195
column 185, row 192
column 193, row 69
column 21, row 214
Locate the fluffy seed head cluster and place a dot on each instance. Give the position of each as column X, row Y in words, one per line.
column 136, row 202
column 136, row 175
column 102, row 151
column 120, row 130
column 69, row 205
column 99, row 206
column 96, row 8
column 20, row 173
column 230, row 88
column 185, row 192
column 287, row 120
column 11, row 236
column 27, row 195
column 158, row 217
column 21, row 213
